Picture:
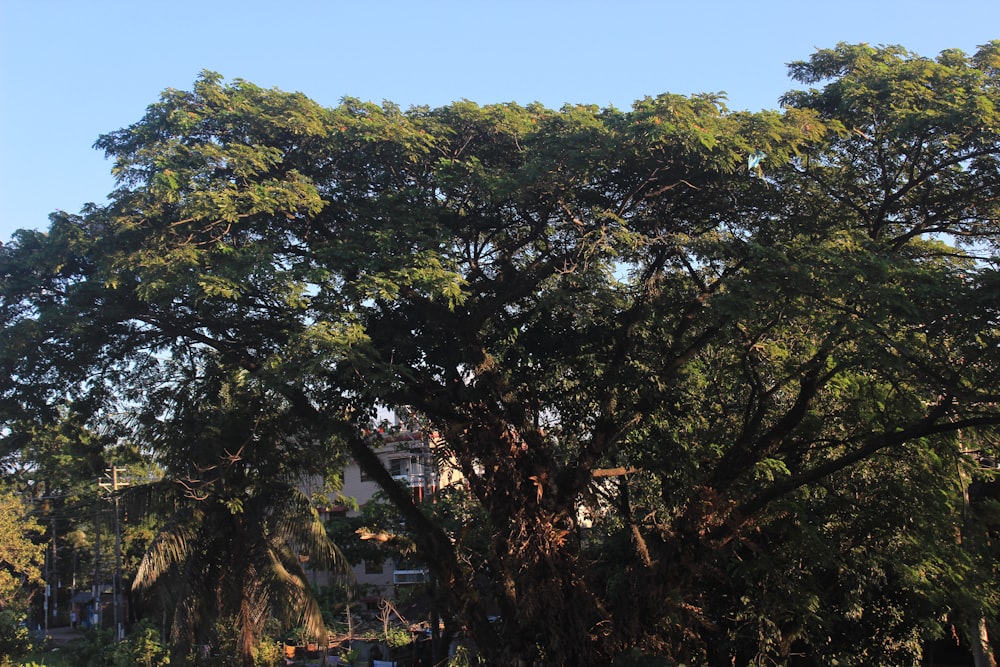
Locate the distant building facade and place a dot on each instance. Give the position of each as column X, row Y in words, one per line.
column 414, row 459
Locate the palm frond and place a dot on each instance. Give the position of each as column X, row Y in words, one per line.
column 301, row 525
column 296, row 595
column 170, row 548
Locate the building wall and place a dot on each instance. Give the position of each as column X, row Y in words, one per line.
column 415, row 459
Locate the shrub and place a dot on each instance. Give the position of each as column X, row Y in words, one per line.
column 268, row 654
column 142, row 648
column 15, row 640
column 97, row 649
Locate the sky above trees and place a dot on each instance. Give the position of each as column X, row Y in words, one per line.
column 71, row 71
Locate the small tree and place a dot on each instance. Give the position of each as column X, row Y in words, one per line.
column 21, row 553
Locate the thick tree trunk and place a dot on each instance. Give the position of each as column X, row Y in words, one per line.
column 549, row 614
column 982, row 654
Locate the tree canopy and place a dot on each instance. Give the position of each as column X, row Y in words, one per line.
column 758, row 350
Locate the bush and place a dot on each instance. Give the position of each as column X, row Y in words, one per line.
column 15, row 640
column 397, row 637
column 97, row 649
column 268, row 654
column 142, row 647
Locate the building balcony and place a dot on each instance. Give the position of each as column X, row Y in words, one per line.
column 408, row 577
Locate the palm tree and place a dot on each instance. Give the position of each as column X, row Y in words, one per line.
column 237, row 528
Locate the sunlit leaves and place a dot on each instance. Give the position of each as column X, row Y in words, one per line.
column 21, row 557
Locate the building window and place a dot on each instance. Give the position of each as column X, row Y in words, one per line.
column 398, row 467
column 373, row 566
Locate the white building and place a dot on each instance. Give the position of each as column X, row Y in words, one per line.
column 414, row 459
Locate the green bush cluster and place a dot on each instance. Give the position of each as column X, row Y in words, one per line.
column 141, row 648
column 15, row 640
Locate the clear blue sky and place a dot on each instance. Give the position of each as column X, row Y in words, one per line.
column 71, row 70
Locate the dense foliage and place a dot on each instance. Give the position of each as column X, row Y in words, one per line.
column 758, row 352
column 21, row 556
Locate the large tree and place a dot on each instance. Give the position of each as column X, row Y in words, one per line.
column 717, row 332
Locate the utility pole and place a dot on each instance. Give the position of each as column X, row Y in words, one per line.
column 113, row 482
column 48, row 586
column 51, row 598
column 95, row 618
column 55, row 575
